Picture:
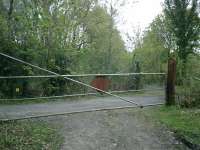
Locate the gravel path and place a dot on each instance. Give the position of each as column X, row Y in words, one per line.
column 124, row 129
column 19, row 111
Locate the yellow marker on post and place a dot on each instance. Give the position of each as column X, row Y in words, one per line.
column 17, row 90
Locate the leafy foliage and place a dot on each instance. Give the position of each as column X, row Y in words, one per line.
column 67, row 37
column 153, row 53
column 184, row 26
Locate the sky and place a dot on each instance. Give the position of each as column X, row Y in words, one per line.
column 138, row 14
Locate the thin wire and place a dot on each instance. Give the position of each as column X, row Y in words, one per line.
column 73, row 80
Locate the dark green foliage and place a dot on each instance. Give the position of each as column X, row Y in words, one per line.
column 135, row 82
column 188, row 95
column 184, row 26
column 153, row 53
column 67, row 37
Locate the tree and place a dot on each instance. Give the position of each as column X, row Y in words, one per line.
column 65, row 36
column 151, row 53
column 183, row 23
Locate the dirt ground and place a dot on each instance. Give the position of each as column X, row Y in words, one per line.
column 122, row 129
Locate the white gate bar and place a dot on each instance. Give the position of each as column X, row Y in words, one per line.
column 76, row 95
column 70, row 79
column 78, row 75
column 197, row 78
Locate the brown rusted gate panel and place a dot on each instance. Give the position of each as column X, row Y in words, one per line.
column 101, row 82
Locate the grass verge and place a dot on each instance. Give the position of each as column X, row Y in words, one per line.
column 185, row 123
column 29, row 135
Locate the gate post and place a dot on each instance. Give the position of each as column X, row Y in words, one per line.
column 171, row 78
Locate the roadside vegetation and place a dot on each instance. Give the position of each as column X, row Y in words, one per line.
column 185, row 123
column 29, row 135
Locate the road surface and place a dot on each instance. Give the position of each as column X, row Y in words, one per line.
column 58, row 107
column 124, row 129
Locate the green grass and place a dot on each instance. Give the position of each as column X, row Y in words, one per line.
column 29, row 135
column 184, row 122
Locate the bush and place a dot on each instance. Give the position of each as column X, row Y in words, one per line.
column 188, row 95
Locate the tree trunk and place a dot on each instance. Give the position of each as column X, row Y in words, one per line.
column 10, row 11
column 171, row 77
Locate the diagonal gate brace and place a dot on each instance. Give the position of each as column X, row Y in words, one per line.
column 70, row 79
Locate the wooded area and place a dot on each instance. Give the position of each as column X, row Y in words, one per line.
column 80, row 37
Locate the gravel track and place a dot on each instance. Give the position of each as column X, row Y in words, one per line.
column 122, row 129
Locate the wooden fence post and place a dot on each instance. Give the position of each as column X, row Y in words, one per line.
column 171, row 78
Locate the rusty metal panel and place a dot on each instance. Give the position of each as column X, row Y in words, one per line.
column 101, row 82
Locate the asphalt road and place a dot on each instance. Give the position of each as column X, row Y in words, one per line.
column 83, row 105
